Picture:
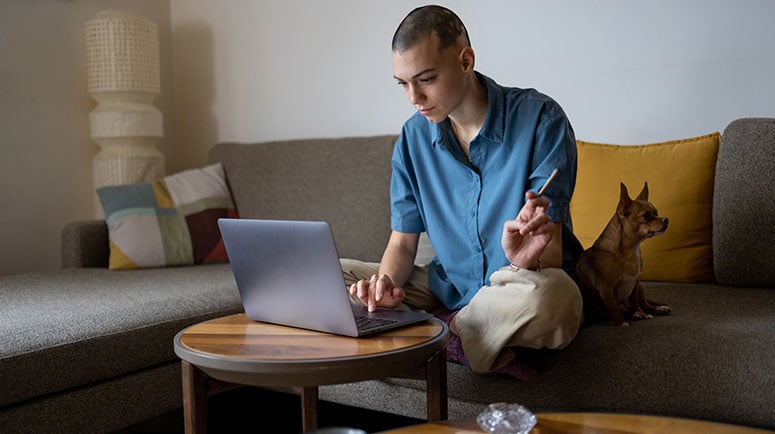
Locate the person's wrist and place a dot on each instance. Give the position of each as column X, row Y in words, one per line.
column 535, row 267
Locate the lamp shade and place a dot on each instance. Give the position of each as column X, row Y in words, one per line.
column 122, row 53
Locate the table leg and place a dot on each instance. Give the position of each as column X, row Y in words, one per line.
column 194, row 399
column 309, row 408
column 436, row 386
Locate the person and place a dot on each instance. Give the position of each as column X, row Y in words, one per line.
column 466, row 167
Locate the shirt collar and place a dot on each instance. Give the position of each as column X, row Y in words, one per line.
column 493, row 124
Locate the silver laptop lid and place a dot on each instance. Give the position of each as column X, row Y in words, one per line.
column 288, row 273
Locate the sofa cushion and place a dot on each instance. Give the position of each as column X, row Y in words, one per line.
column 71, row 327
column 743, row 229
column 711, row 359
column 680, row 179
column 171, row 221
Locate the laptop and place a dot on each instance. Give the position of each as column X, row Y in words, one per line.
column 288, row 273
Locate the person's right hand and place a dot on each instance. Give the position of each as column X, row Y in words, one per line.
column 379, row 291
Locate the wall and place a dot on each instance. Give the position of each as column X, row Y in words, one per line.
column 45, row 148
column 626, row 71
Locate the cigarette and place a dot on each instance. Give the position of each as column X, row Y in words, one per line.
column 554, row 174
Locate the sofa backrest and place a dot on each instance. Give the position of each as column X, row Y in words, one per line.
column 744, row 205
column 345, row 182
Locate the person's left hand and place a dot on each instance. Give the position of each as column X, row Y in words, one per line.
column 526, row 237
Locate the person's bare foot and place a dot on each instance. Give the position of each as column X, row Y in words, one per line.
column 452, row 327
column 506, row 356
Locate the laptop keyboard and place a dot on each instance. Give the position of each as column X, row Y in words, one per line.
column 365, row 323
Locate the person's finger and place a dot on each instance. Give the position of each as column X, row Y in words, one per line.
column 398, row 294
column 372, row 302
column 534, row 224
column 512, row 226
column 363, row 291
column 536, row 202
column 379, row 289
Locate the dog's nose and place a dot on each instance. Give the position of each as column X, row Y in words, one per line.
column 665, row 221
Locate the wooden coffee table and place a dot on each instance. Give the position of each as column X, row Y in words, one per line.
column 234, row 350
column 590, row 423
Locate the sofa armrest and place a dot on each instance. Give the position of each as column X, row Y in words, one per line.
column 743, row 199
column 85, row 244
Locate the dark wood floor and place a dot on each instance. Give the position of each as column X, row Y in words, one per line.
column 261, row 411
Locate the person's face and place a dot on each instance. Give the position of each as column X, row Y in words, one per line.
column 434, row 82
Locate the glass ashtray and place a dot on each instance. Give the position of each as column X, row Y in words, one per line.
column 504, row 418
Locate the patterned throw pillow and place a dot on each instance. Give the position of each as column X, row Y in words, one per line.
column 171, row 221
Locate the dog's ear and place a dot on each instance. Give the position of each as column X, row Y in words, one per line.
column 623, row 209
column 644, row 194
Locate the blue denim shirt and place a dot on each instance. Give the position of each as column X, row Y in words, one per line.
column 463, row 204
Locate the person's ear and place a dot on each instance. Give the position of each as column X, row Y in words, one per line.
column 467, row 59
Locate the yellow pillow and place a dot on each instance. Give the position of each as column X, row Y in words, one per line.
column 680, row 176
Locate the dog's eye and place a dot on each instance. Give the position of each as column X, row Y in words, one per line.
column 647, row 215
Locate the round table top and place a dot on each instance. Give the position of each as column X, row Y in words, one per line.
column 239, row 350
column 590, row 423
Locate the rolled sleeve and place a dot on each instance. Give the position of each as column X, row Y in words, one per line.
column 404, row 210
column 556, row 148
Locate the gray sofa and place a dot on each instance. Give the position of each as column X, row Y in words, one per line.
column 85, row 349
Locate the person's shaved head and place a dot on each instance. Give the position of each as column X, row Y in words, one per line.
column 427, row 20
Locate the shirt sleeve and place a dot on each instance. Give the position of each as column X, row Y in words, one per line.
column 555, row 148
column 405, row 213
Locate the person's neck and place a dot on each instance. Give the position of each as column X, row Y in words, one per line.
column 468, row 120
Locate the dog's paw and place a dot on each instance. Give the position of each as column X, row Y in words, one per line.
column 662, row 309
column 639, row 315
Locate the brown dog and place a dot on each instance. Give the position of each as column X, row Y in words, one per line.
column 609, row 271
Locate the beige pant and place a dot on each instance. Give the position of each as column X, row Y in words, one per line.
column 519, row 309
